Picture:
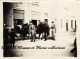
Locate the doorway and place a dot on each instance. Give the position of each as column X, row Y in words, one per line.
column 18, row 16
column 34, row 22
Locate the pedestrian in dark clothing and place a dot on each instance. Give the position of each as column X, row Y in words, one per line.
column 12, row 37
column 5, row 36
column 74, row 50
column 40, row 29
column 45, row 30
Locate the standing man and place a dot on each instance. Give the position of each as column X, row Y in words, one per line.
column 45, row 30
column 5, row 36
column 52, row 28
column 32, row 32
column 12, row 37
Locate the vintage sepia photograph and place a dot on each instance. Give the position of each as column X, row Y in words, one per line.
column 39, row 29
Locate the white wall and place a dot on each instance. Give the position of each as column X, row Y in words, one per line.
column 56, row 10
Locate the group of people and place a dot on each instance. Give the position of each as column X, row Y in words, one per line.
column 42, row 27
column 9, row 37
column 31, row 30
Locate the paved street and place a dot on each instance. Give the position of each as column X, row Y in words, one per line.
column 41, row 48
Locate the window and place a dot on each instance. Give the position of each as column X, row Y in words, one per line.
column 71, row 23
column 67, row 25
column 18, row 14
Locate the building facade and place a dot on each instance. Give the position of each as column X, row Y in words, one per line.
column 16, row 13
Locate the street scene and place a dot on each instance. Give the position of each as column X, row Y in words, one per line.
column 31, row 30
column 59, row 42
